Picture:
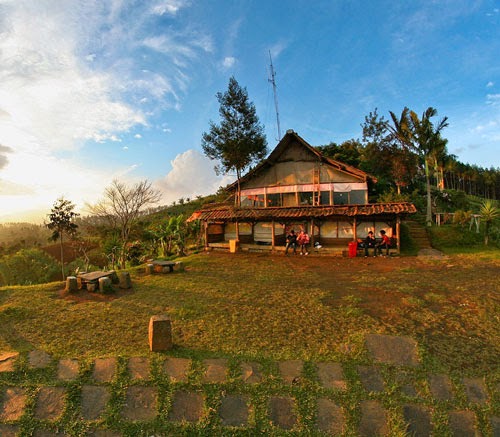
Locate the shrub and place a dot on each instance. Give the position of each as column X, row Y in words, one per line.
column 28, row 266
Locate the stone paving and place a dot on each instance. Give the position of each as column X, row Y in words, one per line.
column 188, row 392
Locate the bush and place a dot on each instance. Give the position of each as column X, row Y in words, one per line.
column 29, row 266
column 448, row 236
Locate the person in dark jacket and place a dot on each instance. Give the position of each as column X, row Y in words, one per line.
column 368, row 243
column 291, row 241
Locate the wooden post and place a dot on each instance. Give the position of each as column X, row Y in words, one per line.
column 205, row 225
column 398, row 233
column 273, row 235
column 355, row 229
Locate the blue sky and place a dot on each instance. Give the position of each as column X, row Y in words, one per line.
column 92, row 91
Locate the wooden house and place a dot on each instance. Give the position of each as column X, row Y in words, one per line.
column 297, row 187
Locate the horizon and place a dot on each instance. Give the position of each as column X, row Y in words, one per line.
column 124, row 90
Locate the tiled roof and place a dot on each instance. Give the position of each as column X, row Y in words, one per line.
column 224, row 212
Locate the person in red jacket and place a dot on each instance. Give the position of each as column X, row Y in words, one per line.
column 303, row 239
column 384, row 244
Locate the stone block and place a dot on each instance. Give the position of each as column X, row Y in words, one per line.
column 291, row 371
column 251, row 372
column 177, row 369
column 138, row 367
column 282, row 412
column 462, row 423
column 330, row 417
column 390, row 349
column 160, row 333
column 149, row 269
column 94, row 400
column 124, row 280
column 373, row 419
column 215, row 370
column 440, row 387
column 8, row 360
column 180, row 266
column 140, row 403
column 67, row 369
column 418, row 419
column 12, row 403
column 371, row 379
column 331, row 376
column 71, row 284
column 105, row 285
column 104, row 369
column 50, row 403
column 475, row 389
column 39, row 359
column 186, row 406
column 233, row 410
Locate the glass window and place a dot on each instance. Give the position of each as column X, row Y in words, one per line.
column 357, row 197
column 325, row 198
column 340, row 198
column 306, row 198
column 274, row 199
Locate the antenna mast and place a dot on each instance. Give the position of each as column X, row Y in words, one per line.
column 272, row 79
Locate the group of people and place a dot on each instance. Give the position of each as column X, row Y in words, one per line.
column 293, row 240
column 370, row 242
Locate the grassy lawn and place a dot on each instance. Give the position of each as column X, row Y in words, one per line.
column 263, row 308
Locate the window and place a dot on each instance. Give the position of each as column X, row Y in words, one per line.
column 340, row 198
column 357, row 197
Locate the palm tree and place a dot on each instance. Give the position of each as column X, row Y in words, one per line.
column 421, row 135
column 489, row 212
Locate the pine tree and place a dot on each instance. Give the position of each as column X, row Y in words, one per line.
column 239, row 140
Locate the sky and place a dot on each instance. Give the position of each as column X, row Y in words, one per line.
column 93, row 91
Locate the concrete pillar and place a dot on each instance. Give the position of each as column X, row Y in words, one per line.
column 180, row 266
column 71, row 284
column 160, row 333
column 124, row 280
column 149, row 269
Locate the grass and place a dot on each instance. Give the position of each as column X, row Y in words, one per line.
column 252, row 307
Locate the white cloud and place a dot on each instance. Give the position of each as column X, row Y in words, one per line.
column 192, row 174
column 228, row 62
column 170, row 7
column 138, row 136
column 493, row 99
column 490, row 84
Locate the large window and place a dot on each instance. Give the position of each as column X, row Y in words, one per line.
column 340, row 198
column 357, row 197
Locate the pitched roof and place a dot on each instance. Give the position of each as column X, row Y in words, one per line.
column 292, row 137
column 225, row 212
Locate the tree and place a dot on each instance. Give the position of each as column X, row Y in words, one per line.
column 239, row 140
column 489, row 212
column 425, row 138
column 122, row 206
column 61, row 222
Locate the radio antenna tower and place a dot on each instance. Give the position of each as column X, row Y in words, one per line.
column 272, row 79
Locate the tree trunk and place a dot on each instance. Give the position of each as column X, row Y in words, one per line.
column 62, row 256
column 428, row 218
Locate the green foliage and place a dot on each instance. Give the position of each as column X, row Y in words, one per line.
column 462, row 218
column 239, row 140
column 489, row 213
column 450, row 236
column 28, row 266
column 393, row 196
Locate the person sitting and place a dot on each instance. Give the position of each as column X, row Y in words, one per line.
column 303, row 240
column 291, row 241
column 368, row 242
column 385, row 243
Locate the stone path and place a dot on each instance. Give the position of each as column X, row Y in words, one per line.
column 184, row 392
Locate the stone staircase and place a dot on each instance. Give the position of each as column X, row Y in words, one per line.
column 419, row 235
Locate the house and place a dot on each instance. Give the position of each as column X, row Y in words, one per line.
column 297, row 187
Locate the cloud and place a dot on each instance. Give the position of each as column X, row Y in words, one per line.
column 490, row 84
column 493, row 99
column 3, row 155
column 170, row 7
column 228, row 62
column 192, row 174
